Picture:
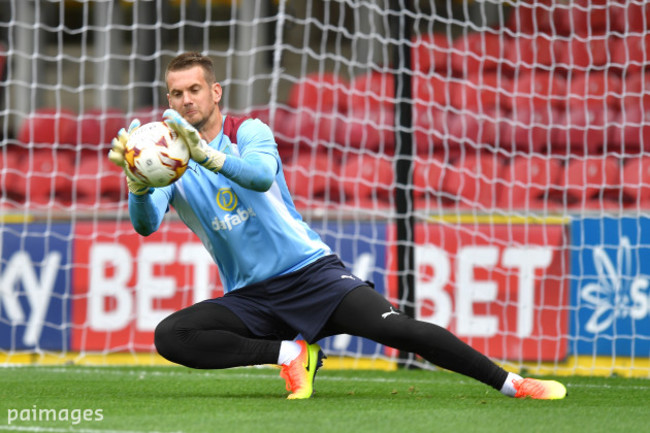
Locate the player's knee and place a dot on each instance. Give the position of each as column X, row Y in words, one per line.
column 166, row 340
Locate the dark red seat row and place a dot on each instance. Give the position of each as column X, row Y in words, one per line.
column 477, row 180
column 44, row 179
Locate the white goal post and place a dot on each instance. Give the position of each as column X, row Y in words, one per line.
column 482, row 162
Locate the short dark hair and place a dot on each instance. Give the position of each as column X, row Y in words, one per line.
column 189, row 60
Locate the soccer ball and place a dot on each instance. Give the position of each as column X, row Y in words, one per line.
column 155, row 155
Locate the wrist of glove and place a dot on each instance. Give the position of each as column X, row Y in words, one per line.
column 208, row 157
column 200, row 151
column 136, row 187
column 116, row 155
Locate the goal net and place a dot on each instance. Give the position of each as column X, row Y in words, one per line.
column 482, row 162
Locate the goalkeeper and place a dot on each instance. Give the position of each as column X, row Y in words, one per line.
column 280, row 279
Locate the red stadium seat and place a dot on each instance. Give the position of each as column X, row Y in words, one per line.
column 630, row 53
column 428, row 180
column 582, row 17
column 285, row 131
column 431, row 131
column 637, row 90
column 99, row 126
column 372, row 90
column 482, row 92
column 431, row 96
column 309, row 177
column 428, row 175
column 526, row 53
column 432, row 90
column 367, row 180
column 581, row 131
column 430, row 53
column 631, row 130
column 526, row 180
column 40, row 178
column 586, row 178
column 303, row 130
column 12, row 166
column 478, row 52
column 539, row 90
column 630, row 17
column 50, row 126
column 473, row 180
column 595, row 90
column 98, row 181
column 319, row 92
column 474, row 128
column 580, row 54
column 56, row 170
column 525, row 130
column 531, row 17
column 372, row 129
column 635, row 179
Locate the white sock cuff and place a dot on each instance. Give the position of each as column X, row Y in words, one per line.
column 289, row 350
column 508, row 387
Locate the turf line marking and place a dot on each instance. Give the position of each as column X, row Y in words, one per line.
column 37, row 429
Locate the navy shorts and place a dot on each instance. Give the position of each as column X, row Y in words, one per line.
column 300, row 302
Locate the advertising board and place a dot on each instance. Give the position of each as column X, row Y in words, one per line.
column 500, row 287
column 125, row 284
column 35, row 278
column 610, row 286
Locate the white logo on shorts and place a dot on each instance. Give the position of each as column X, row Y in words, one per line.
column 392, row 311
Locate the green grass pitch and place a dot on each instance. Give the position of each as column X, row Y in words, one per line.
column 176, row 399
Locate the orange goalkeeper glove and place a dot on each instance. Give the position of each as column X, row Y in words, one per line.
column 200, row 151
column 116, row 155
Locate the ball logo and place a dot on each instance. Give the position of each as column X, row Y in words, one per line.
column 226, row 199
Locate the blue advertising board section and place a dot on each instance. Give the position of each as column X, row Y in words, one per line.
column 610, row 286
column 362, row 247
column 36, row 278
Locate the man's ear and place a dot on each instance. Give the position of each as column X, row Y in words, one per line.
column 217, row 91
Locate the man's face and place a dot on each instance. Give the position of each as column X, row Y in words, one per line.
column 192, row 96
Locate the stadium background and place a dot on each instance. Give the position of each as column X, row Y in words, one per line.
column 513, row 180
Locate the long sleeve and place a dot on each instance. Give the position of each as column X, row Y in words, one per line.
column 147, row 211
column 255, row 171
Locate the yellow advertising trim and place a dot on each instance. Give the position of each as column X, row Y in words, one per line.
column 85, row 359
column 498, row 219
column 16, row 218
column 587, row 365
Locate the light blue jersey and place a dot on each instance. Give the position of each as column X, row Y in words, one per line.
column 251, row 235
